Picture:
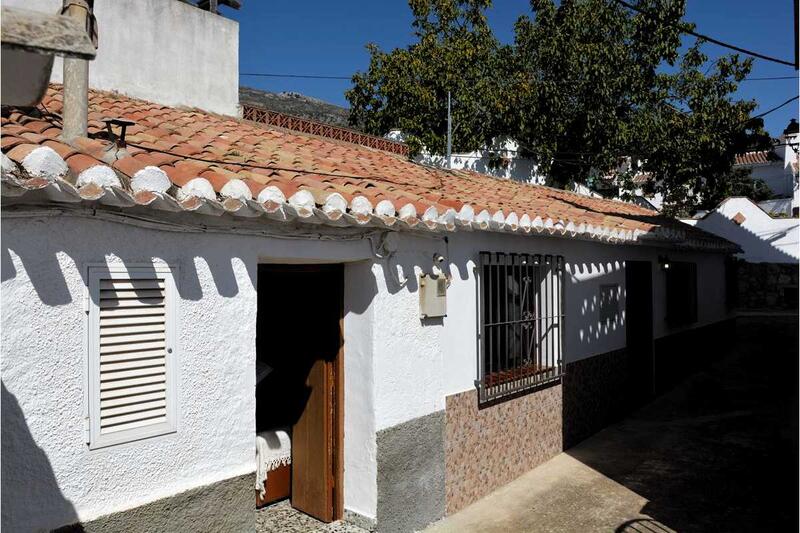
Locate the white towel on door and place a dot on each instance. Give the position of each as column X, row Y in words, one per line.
column 273, row 449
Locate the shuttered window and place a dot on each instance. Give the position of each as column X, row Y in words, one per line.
column 132, row 354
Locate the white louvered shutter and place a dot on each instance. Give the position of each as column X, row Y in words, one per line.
column 132, row 354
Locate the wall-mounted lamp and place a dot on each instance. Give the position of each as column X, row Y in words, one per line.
column 663, row 260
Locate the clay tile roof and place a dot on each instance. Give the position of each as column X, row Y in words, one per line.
column 754, row 158
column 188, row 153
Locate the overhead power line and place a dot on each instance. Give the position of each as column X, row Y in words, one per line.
column 684, row 29
column 766, row 78
column 348, row 78
column 767, row 112
column 306, row 76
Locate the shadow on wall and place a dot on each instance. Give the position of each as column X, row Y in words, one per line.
column 602, row 312
column 517, row 169
column 45, row 272
column 756, row 249
column 29, row 484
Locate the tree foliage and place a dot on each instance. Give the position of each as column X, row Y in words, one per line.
column 584, row 85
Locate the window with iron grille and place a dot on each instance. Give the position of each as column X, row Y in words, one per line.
column 521, row 316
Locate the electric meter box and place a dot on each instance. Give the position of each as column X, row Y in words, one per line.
column 432, row 296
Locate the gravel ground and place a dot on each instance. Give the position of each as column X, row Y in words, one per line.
column 281, row 517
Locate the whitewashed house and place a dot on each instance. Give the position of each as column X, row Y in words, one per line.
column 405, row 339
column 777, row 168
column 762, row 237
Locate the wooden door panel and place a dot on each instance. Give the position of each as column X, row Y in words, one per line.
column 312, row 437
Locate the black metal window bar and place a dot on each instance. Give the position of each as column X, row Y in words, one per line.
column 521, row 318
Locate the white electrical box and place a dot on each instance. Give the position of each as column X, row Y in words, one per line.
column 432, row 296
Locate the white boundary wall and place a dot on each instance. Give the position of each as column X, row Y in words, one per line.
column 397, row 367
column 762, row 238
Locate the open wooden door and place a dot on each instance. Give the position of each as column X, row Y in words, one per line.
column 302, row 343
column 312, row 446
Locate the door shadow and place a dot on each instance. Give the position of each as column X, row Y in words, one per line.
column 31, row 497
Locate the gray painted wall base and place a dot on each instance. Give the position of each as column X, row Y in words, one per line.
column 359, row 520
column 226, row 506
column 411, row 491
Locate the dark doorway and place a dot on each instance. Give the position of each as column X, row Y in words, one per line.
column 299, row 339
column 639, row 329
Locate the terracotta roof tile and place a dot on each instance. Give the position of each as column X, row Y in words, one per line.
column 129, row 166
column 753, row 158
column 263, row 155
column 79, row 162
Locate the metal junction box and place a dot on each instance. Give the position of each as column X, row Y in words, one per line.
column 432, row 296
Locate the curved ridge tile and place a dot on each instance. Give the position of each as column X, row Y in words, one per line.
column 466, row 215
column 197, row 188
column 448, row 219
column 151, row 179
column 483, row 219
column 303, row 203
column 236, row 189
column 271, row 198
column 99, row 175
column 335, row 206
column 430, row 217
column 44, row 162
column 9, row 168
column 525, row 222
column 408, row 214
column 361, row 209
column 512, row 221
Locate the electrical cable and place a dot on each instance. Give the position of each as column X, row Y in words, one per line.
column 321, row 77
column 789, row 101
column 305, row 76
column 685, row 29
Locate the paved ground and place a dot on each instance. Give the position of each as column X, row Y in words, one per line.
column 282, row 518
column 717, row 454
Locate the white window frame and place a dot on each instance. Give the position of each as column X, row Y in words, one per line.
column 144, row 271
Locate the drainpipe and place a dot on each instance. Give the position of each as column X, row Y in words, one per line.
column 76, row 76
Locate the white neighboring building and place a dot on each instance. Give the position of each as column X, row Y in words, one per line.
column 777, row 168
column 500, row 161
column 763, row 239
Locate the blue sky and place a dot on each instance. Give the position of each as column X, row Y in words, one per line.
column 328, row 38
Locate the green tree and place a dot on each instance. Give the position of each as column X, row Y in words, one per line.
column 454, row 51
column 585, row 84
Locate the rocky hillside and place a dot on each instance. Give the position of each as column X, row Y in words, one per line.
column 296, row 104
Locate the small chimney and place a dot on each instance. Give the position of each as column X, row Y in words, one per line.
column 76, row 74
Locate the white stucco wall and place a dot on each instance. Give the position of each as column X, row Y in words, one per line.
column 397, row 367
column 418, row 363
column 776, row 176
column 163, row 51
column 361, row 469
column 44, row 360
column 762, row 238
column 517, row 168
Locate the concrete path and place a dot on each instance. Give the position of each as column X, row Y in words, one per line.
column 717, row 454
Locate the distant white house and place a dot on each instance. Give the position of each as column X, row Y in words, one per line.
column 501, row 160
column 763, row 238
column 777, row 168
